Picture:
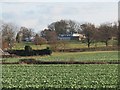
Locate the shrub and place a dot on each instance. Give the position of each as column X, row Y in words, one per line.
column 28, row 51
column 47, row 48
column 28, row 48
column 43, row 52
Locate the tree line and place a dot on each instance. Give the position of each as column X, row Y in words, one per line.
column 102, row 33
column 93, row 34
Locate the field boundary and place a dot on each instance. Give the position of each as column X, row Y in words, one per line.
column 60, row 62
column 108, row 48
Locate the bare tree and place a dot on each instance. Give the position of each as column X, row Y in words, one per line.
column 39, row 40
column 52, row 26
column 88, row 30
column 25, row 33
column 105, row 32
column 51, row 38
column 73, row 26
column 8, row 34
column 49, row 35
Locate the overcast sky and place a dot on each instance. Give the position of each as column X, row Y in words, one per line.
column 38, row 15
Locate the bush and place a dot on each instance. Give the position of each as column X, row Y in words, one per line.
column 43, row 52
column 47, row 48
column 28, row 51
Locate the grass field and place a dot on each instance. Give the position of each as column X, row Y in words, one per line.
column 59, row 76
column 19, row 46
column 76, row 56
column 70, row 44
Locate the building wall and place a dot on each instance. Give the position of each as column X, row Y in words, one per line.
column 71, row 37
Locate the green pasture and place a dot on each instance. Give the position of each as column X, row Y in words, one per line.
column 39, row 77
column 73, row 56
column 69, row 44
column 19, row 46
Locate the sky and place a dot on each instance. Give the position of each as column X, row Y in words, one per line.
column 39, row 14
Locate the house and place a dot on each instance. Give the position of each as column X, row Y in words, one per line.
column 74, row 36
column 30, row 39
column 65, row 37
column 78, row 37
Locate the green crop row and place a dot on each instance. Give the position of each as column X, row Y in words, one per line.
column 60, row 76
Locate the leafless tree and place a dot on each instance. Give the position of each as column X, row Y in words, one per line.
column 88, row 30
column 73, row 26
column 105, row 31
column 25, row 33
column 8, row 34
column 39, row 40
column 49, row 35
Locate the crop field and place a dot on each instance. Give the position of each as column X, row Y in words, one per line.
column 60, row 77
column 40, row 77
column 74, row 56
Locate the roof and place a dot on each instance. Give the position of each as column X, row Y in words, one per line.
column 76, row 34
